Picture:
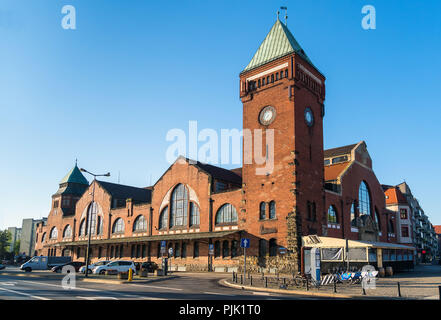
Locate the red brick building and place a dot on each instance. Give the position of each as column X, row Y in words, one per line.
column 193, row 204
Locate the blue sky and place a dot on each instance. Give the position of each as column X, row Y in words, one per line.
column 108, row 92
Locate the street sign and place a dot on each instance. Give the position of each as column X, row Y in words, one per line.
column 163, row 244
column 163, row 250
column 244, row 243
column 211, row 249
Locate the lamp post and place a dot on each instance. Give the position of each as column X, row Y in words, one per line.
column 88, row 217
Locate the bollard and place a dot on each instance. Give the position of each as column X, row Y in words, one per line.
column 439, row 289
column 251, row 280
column 335, row 286
column 364, row 291
column 233, row 276
column 284, row 281
column 266, row 282
column 241, row 279
column 399, row 289
column 130, row 278
column 307, row 284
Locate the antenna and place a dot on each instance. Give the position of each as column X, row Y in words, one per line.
column 286, row 14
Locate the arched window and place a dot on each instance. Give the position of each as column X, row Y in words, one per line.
column 179, row 206
column 217, row 249
column 234, row 248
column 272, row 209
column 54, row 233
column 391, row 226
column 118, row 226
column 140, row 224
column 163, row 219
column 364, row 199
column 92, row 217
column 112, row 252
column 177, row 250
column 226, row 214
column 353, row 214
column 83, row 227
column 273, row 247
column 67, row 233
column 225, row 249
column 184, row 250
column 43, row 238
column 100, row 225
column 332, row 214
column 194, row 214
column 262, row 213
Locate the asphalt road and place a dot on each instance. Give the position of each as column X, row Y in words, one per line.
column 185, row 286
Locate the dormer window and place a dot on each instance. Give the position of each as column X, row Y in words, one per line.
column 339, row 159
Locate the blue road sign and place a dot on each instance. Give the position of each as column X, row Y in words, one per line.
column 162, row 244
column 244, row 243
column 211, row 249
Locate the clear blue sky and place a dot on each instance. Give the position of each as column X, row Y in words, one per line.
column 108, row 92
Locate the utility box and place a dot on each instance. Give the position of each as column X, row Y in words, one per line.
column 315, row 264
column 164, row 266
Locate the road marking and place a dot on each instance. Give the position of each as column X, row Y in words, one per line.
column 57, row 285
column 152, row 298
column 97, row 298
column 156, row 287
column 8, row 283
column 261, row 293
column 25, row 294
column 220, row 294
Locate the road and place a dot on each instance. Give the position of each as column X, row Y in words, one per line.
column 184, row 286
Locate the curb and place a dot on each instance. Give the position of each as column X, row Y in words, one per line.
column 225, row 283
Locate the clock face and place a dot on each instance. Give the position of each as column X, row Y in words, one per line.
column 309, row 117
column 267, row 115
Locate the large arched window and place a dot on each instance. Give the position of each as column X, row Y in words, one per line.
column 83, row 227
column 272, row 209
column 54, row 233
column 332, row 214
column 262, row 211
column 92, row 217
column 226, row 214
column 43, row 238
column 67, row 233
column 179, row 206
column 140, row 224
column 118, row 226
column 364, row 199
column 194, row 214
column 163, row 219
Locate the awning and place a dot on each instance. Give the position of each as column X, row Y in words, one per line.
column 328, row 242
column 181, row 236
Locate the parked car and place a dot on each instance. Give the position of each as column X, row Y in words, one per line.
column 76, row 264
column 149, row 266
column 93, row 266
column 44, row 263
column 2, row 266
column 117, row 266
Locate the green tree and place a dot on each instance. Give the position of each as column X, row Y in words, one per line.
column 17, row 247
column 5, row 238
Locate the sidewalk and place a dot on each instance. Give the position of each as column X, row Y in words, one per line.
column 421, row 283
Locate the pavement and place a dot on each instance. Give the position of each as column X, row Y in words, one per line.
column 420, row 284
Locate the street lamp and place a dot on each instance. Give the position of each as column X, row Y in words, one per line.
column 87, row 215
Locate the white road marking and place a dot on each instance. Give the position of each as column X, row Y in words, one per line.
column 57, row 285
column 155, row 287
column 152, row 298
column 261, row 293
column 220, row 294
column 97, row 298
column 8, row 283
column 25, row 294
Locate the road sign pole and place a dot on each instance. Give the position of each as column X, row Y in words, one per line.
column 244, row 263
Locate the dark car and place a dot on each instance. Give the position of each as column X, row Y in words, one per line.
column 2, row 266
column 76, row 264
column 149, row 266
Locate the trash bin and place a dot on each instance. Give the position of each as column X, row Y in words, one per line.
column 389, row 271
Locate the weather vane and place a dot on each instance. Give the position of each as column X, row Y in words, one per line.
column 286, row 14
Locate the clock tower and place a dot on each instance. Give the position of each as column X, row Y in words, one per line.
column 283, row 97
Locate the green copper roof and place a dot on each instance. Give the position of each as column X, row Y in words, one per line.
column 75, row 176
column 278, row 43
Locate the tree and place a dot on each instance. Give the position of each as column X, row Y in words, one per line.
column 5, row 238
column 17, row 247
